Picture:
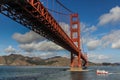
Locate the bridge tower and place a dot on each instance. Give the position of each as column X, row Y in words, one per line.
column 75, row 37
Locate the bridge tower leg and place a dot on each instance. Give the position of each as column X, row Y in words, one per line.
column 75, row 37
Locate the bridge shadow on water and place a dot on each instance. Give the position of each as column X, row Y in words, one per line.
column 79, row 76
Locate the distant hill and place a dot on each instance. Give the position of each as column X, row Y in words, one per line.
column 15, row 59
column 58, row 61
column 20, row 60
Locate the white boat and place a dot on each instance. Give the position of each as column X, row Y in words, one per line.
column 101, row 72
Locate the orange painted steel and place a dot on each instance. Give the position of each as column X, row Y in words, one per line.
column 33, row 15
column 75, row 29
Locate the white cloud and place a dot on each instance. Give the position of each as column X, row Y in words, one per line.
column 86, row 38
column 99, row 58
column 27, row 37
column 111, row 38
column 48, row 55
column 93, row 44
column 32, row 41
column 27, row 47
column 65, row 27
column 116, row 45
column 10, row 49
column 86, row 29
column 112, row 17
column 90, row 29
column 83, row 26
column 40, row 46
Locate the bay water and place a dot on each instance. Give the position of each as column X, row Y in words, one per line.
column 57, row 73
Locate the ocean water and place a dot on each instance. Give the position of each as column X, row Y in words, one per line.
column 56, row 73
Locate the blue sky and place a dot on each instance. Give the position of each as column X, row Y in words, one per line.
column 100, row 29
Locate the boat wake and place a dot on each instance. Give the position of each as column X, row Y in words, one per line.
column 114, row 73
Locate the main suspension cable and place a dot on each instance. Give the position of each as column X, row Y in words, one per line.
column 58, row 12
column 64, row 6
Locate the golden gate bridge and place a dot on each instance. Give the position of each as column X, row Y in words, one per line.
column 43, row 17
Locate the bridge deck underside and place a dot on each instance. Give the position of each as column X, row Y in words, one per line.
column 34, row 16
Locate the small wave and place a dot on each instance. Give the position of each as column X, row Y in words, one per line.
column 19, row 78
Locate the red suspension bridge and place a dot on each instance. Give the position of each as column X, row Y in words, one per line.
column 44, row 17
